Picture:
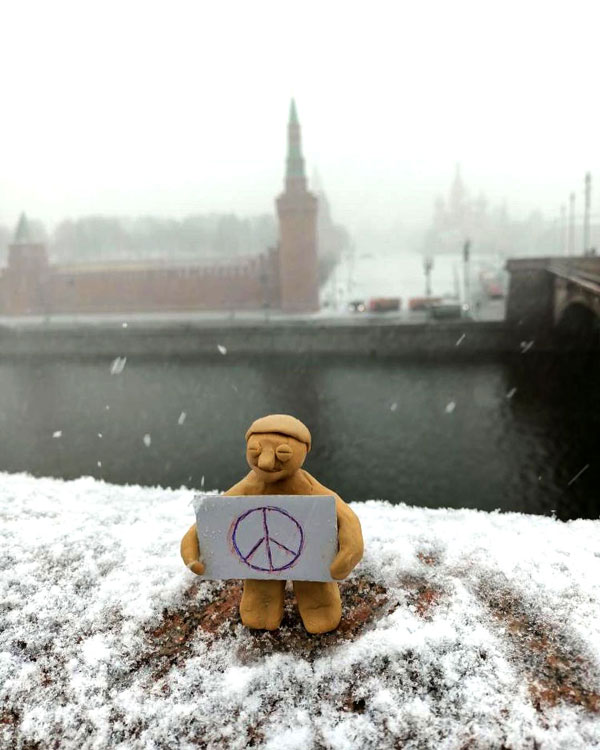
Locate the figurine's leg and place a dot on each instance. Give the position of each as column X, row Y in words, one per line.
column 319, row 604
column 261, row 607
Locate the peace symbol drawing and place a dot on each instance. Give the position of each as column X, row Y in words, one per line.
column 267, row 538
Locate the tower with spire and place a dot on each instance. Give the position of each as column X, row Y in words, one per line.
column 26, row 273
column 297, row 212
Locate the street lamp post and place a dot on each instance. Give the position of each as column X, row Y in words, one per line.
column 586, row 214
column 466, row 277
column 427, row 267
column 571, row 247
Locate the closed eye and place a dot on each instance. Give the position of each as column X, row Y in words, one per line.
column 283, row 453
column 254, row 449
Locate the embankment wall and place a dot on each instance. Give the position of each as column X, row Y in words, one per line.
column 158, row 339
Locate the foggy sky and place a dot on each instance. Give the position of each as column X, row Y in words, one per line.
column 181, row 107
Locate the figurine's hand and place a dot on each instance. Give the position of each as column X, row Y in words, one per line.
column 344, row 563
column 190, row 551
column 350, row 541
column 196, row 567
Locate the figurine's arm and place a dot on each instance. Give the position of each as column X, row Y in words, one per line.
column 350, row 541
column 190, row 549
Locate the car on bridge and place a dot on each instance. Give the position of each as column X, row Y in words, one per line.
column 449, row 309
column 385, row 304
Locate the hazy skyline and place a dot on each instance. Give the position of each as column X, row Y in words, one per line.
column 146, row 108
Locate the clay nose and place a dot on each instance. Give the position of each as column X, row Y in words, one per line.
column 266, row 460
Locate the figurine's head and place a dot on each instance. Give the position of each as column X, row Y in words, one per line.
column 276, row 446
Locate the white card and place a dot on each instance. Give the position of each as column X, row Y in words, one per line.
column 278, row 537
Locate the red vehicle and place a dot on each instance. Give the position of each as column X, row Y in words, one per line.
column 491, row 284
column 385, row 304
column 423, row 303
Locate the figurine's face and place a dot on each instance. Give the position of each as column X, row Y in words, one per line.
column 273, row 457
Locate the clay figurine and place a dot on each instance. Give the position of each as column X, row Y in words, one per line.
column 276, row 446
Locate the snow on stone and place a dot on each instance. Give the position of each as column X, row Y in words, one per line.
column 461, row 629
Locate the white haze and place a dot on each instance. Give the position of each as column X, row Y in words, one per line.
column 181, row 107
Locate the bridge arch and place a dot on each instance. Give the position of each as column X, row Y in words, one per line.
column 578, row 327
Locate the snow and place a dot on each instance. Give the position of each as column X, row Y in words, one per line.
column 118, row 365
column 489, row 634
column 579, row 473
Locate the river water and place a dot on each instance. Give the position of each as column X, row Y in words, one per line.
column 518, row 435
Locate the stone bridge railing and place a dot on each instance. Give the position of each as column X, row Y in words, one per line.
column 542, row 290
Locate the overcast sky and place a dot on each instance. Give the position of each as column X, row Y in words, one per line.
column 181, row 107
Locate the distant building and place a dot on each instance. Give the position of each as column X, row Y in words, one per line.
column 493, row 232
column 284, row 277
column 459, row 217
column 297, row 211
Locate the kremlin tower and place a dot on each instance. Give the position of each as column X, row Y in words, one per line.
column 297, row 211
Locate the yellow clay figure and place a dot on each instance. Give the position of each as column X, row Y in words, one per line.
column 276, row 446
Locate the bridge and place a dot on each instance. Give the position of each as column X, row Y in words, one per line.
column 556, row 300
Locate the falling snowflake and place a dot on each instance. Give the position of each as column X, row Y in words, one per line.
column 450, row 407
column 202, row 482
column 99, row 434
column 525, row 346
column 99, row 463
column 394, row 406
column 461, row 339
column 57, row 434
column 222, row 349
column 182, row 417
column 118, row 365
column 107, row 407
column 147, row 440
column 124, row 325
column 511, row 393
column 579, row 473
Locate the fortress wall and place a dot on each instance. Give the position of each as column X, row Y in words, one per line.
column 119, row 289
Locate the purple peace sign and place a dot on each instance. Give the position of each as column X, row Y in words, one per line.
column 268, row 539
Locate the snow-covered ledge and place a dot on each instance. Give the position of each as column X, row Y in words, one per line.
column 462, row 629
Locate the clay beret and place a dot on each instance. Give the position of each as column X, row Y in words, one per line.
column 284, row 424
